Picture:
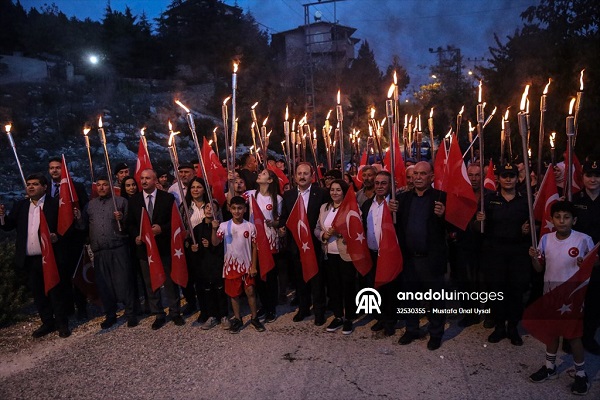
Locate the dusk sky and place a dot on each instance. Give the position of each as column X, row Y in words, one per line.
column 407, row 28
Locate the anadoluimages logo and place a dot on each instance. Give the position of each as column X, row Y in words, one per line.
column 368, row 300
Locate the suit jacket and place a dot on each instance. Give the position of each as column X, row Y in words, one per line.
column 18, row 219
column 316, row 198
column 319, row 230
column 82, row 195
column 163, row 205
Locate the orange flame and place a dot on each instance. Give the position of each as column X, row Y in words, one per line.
column 372, row 112
column 254, row 105
column 7, row 128
column 226, row 100
column 462, row 109
column 581, row 80
column 180, row 104
column 494, row 111
column 235, row 67
column 552, row 138
column 571, row 106
column 431, row 113
column 85, row 131
column 547, row 86
column 391, row 91
column 506, row 114
column 395, row 78
column 170, row 126
column 338, row 97
column 524, row 98
column 142, row 131
column 215, row 130
column 99, row 122
column 286, row 112
column 480, row 90
column 329, row 114
column 265, row 121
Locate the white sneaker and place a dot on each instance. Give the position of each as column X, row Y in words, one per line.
column 225, row 323
column 210, row 323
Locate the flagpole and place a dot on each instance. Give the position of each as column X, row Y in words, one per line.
column 89, row 152
column 108, row 169
column 172, row 151
column 524, row 131
column 480, row 126
column 12, row 144
column 389, row 107
column 68, row 181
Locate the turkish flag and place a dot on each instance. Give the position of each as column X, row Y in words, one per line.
column 349, row 224
column 389, row 261
column 358, row 178
column 547, row 196
column 399, row 168
column 461, row 203
column 439, row 166
column 179, row 269
column 215, row 173
column 577, row 172
column 283, row 180
column 559, row 312
column 157, row 271
column 49, row 267
column 84, row 277
column 265, row 256
column 490, row 179
column 67, row 200
column 143, row 162
column 297, row 223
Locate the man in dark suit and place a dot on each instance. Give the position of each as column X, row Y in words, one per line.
column 25, row 218
column 71, row 244
column 159, row 205
column 313, row 196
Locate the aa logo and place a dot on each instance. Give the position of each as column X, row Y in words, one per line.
column 368, row 300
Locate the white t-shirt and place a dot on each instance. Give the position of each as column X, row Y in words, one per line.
column 238, row 239
column 561, row 256
column 266, row 206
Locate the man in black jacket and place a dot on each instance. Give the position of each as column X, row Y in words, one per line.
column 25, row 218
column 159, row 205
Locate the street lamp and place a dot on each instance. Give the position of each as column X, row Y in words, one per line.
column 93, row 59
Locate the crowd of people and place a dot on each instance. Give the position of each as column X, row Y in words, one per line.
column 223, row 266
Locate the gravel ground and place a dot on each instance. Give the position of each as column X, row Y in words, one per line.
column 290, row 360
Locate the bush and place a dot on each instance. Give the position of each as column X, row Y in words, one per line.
column 12, row 289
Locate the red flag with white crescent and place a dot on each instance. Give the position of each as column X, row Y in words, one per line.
column 547, row 196
column 349, row 224
column 389, row 261
column 157, row 271
column 143, row 162
column 298, row 225
column 179, row 268
column 265, row 256
column 461, row 203
column 84, row 277
column 215, row 173
column 399, row 168
column 49, row 267
column 439, row 166
column 67, row 197
column 559, row 312
column 490, row 179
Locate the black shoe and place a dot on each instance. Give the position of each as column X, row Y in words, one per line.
column 202, row 318
column 336, row 324
column 515, row 338
column 255, row 322
column 407, row 338
column 497, row 335
column 43, row 330
column 389, row 329
column 178, row 320
column 319, row 320
column 581, row 386
column 294, row 302
column 434, row 343
column 158, row 323
column 468, row 321
column 270, row 317
column 108, row 322
column 236, row 325
column 590, row 344
column 189, row 309
column 543, row 374
column 300, row 315
column 489, row 323
column 64, row 332
column 260, row 314
column 348, row 328
column 378, row 326
column 81, row 314
column 132, row 322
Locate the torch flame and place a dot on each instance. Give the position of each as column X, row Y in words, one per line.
column 142, row 133
column 85, row 130
column 215, row 130
column 480, row 89
column 172, row 137
column 265, row 121
column 7, row 128
column 391, row 91
column 571, row 106
column 180, row 104
column 210, row 142
column 410, row 120
column 529, row 152
column 382, row 122
column 338, row 97
column 449, row 134
column 293, row 124
column 527, row 107
column 506, row 114
column 431, row 113
column 99, row 122
column 462, row 109
column 581, row 80
column 470, row 127
column 552, row 138
column 328, row 114
column 235, row 67
column 252, row 126
column 405, row 120
column 282, row 142
column 226, row 100
column 395, row 78
column 372, row 112
column 170, row 126
column 494, row 111
column 254, row 105
column 286, row 112
column 547, row 86
column 524, row 98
